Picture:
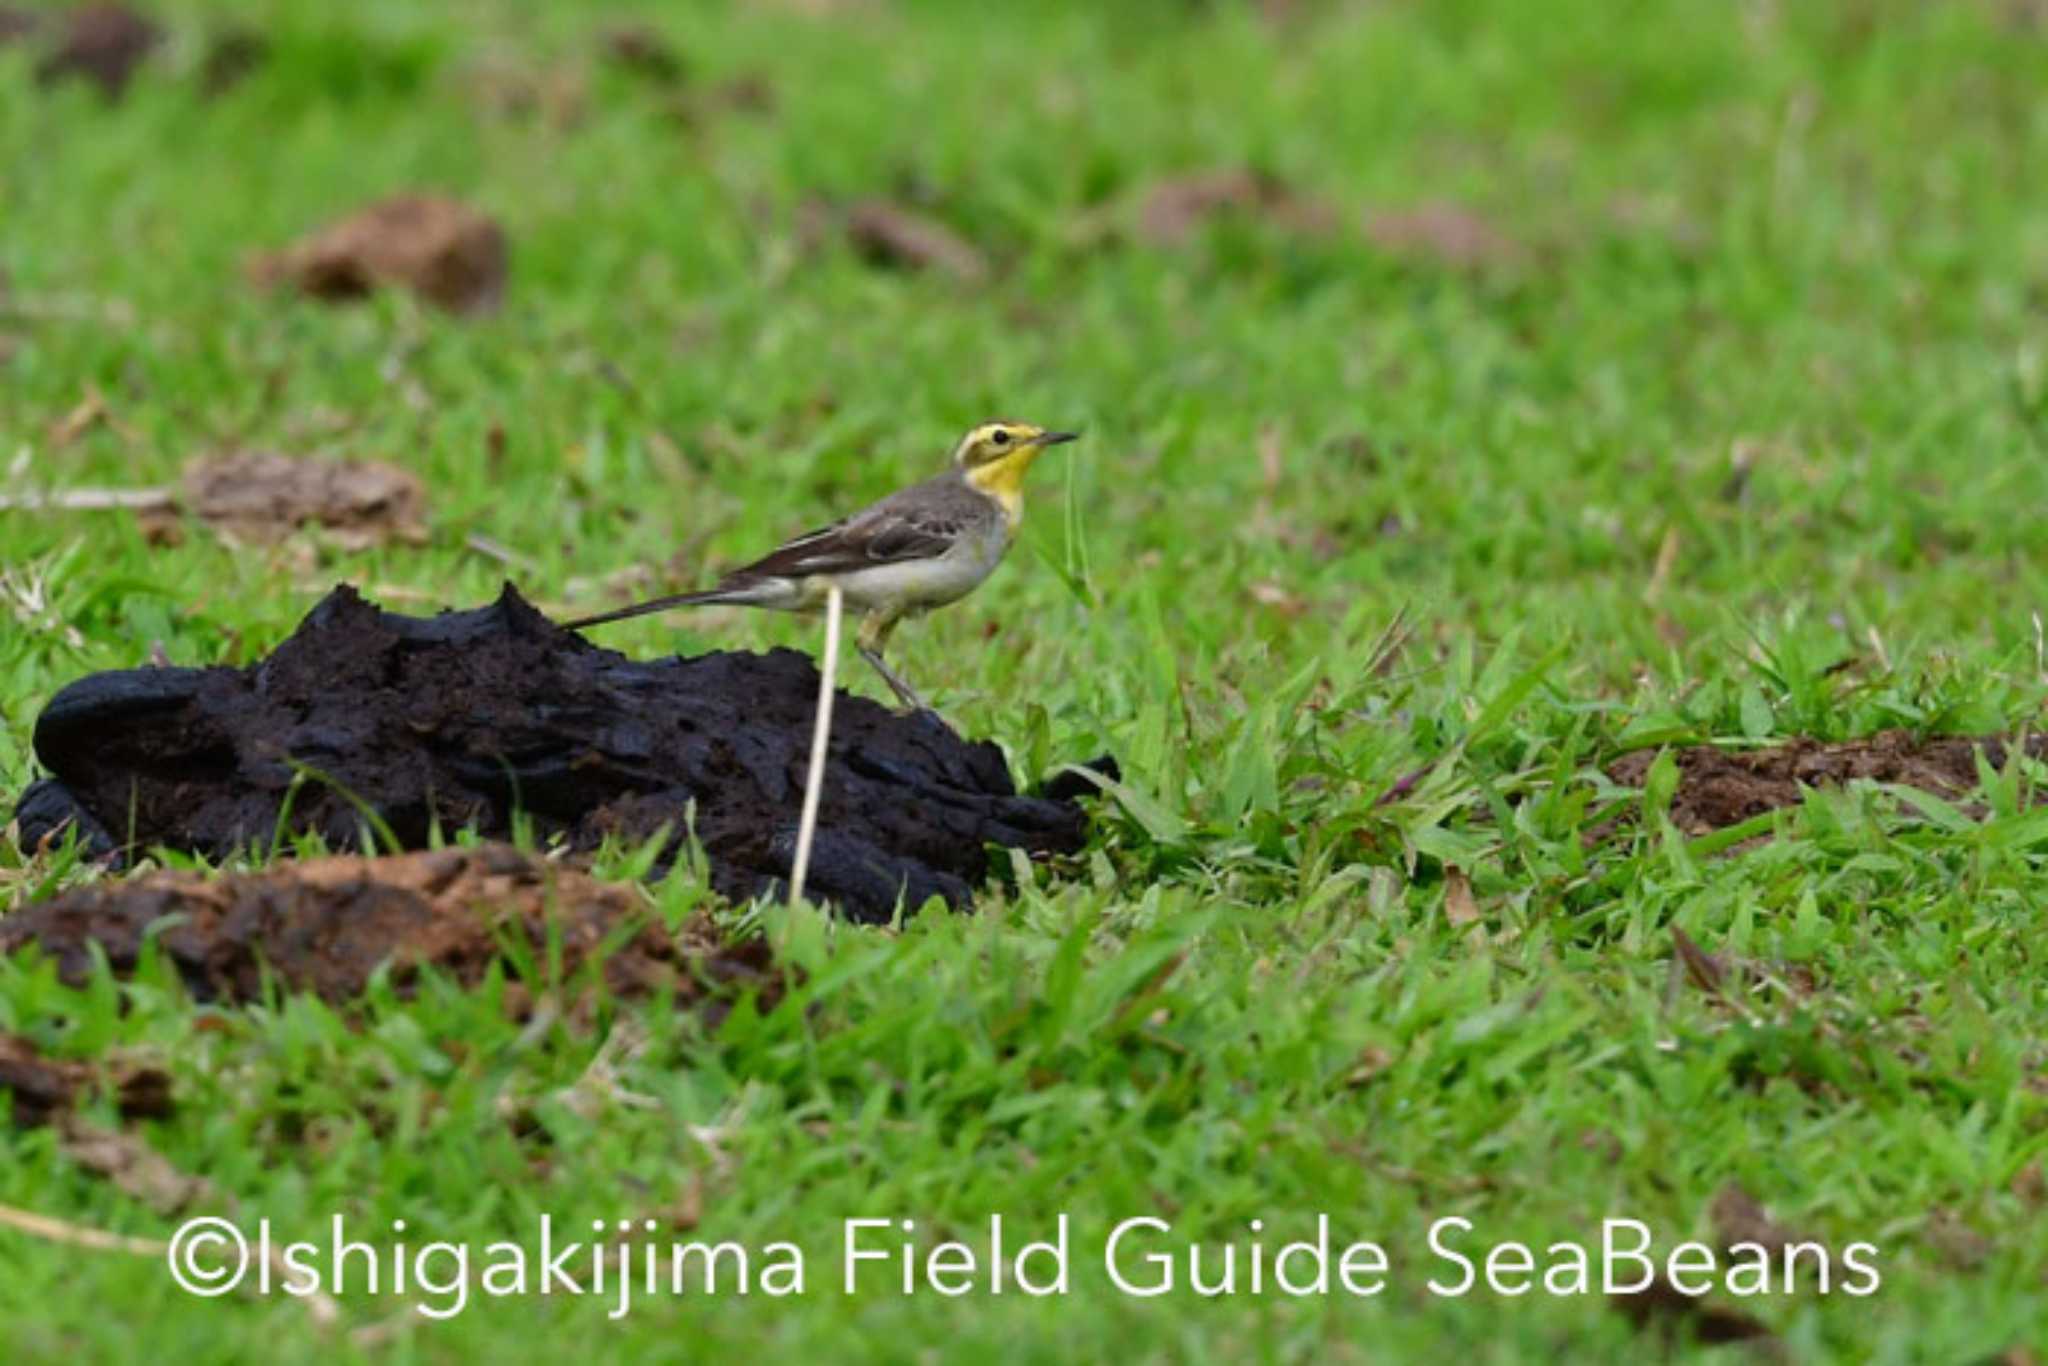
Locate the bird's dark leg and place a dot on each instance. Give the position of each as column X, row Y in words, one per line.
column 874, row 634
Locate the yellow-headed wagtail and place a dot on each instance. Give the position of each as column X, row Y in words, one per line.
column 928, row 545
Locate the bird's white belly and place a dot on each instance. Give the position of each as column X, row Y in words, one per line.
column 915, row 585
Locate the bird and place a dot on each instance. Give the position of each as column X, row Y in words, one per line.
column 919, row 548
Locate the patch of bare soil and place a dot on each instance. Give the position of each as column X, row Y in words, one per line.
column 45, row 1088
column 465, row 719
column 1435, row 233
column 444, row 251
column 103, row 44
column 50, row 1091
column 1172, row 210
column 1718, row 788
column 891, row 235
column 1440, row 233
column 255, row 496
column 325, row 925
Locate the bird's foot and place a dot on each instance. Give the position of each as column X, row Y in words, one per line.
column 898, row 684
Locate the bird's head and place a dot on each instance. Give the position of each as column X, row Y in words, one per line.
column 995, row 455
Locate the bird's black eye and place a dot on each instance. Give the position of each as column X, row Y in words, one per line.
column 999, row 437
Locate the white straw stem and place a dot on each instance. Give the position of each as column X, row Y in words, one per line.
column 89, row 500
column 814, row 782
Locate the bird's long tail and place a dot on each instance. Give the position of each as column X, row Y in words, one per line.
column 641, row 609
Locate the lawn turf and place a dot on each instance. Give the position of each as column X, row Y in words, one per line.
column 1732, row 431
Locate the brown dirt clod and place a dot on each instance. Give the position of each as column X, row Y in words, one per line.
column 1739, row 1218
column 444, row 251
column 888, row 234
column 1439, row 234
column 326, row 925
column 45, row 1088
column 1718, row 788
column 103, row 44
column 1172, row 210
column 255, row 496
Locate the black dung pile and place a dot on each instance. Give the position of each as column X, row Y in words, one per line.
column 465, row 719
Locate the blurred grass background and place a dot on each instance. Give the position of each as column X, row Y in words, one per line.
column 1793, row 236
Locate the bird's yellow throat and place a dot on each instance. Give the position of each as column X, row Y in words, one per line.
column 1003, row 480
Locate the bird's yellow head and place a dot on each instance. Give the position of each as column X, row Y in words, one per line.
column 995, row 455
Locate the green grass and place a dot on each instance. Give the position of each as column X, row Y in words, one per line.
column 1802, row 236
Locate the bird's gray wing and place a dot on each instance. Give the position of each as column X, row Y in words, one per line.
column 890, row 532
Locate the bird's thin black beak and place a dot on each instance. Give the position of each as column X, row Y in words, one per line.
column 1057, row 438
